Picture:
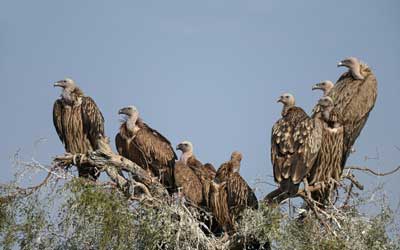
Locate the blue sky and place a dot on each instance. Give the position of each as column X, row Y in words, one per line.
column 205, row 71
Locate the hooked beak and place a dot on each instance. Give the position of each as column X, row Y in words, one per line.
column 340, row 64
column 58, row 84
column 279, row 100
column 121, row 111
column 316, row 86
column 179, row 147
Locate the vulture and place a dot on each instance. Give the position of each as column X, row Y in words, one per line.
column 78, row 122
column 325, row 87
column 239, row 193
column 146, row 147
column 354, row 95
column 327, row 168
column 192, row 176
column 218, row 199
column 295, row 142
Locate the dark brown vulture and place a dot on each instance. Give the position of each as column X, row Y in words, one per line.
column 239, row 193
column 327, row 168
column 295, row 143
column 218, row 200
column 78, row 122
column 204, row 173
column 354, row 96
column 146, row 147
column 188, row 183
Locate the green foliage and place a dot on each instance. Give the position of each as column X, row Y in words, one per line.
column 82, row 215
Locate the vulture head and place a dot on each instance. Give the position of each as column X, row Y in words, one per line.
column 67, row 84
column 353, row 64
column 325, row 86
column 185, row 147
column 236, row 157
column 71, row 93
column 287, row 100
column 129, row 111
column 326, row 102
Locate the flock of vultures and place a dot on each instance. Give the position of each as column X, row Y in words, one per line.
column 304, row 149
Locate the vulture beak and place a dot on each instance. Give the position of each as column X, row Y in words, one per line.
column 340, row 64
column 179, row 147
column 316, row 86
column 58, row 84
column 279, row 100
column 121, row 111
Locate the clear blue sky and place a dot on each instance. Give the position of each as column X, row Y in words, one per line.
column 205, row 71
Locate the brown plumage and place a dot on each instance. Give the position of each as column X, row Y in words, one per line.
column 295, row 143
column 78, row 122
column 239, row 193
column 146, row 147
column 204, row 173
column 188, row 183
column 327, row 168
column 354, row 96
column 218, row 199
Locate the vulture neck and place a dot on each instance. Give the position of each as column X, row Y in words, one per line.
column 286, row 109
column 131, row 125
column 356, row 73
column 326, row 112
column 72, row 97
column 185, row 156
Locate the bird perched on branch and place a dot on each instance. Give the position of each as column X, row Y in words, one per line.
column 146, row 147
column 295, row 143
column 327, row 169
column 239, row 194
column 354, row 96
column 78, row 122
column 190, row 166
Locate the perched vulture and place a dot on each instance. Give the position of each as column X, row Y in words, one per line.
column 327, row 168
column 204, row 173
column 188, row 183
column 295, row 143
column 239, row 193
column 325, row 87
column 354, row 95
column 146, row 147
column 218, row 199
column 78, row 122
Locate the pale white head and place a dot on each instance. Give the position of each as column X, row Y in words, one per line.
column 326, row 102
column 325, row 86
column 66, row 84
column 287, row 99
column 129, row 111
column 353, row 64
column 185, row 146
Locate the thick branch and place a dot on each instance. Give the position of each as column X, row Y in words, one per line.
column 106, row 160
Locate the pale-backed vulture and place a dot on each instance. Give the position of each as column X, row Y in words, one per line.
column 146, row 147
column 78, row 122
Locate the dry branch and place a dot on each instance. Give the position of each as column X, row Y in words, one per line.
column 365, row 169
column 105, row 160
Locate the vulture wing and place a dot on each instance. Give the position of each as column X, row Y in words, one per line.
column 57, row 119
column 240, row 195
column 188, row 183
column 354, row 100
column 307, row 139
column 92, row 120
